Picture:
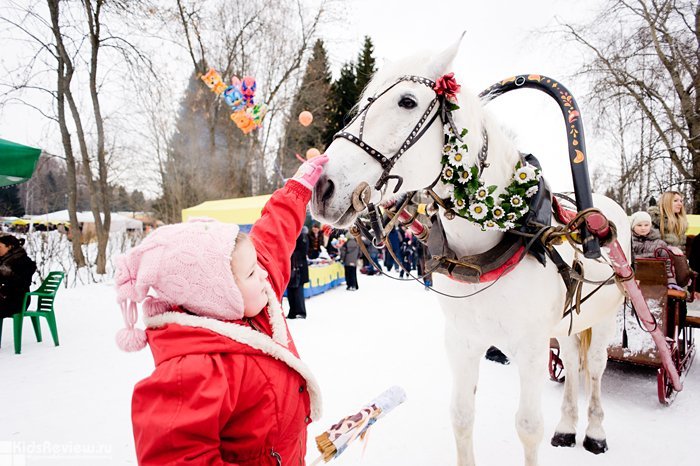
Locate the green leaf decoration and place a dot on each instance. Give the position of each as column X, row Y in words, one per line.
column 467, row 192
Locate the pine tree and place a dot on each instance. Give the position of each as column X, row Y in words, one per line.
column 365, row 65
column 313, row 96
column 9, row 202
column 344, row 96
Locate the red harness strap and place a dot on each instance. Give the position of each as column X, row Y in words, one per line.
column 561, row 213
column 503, row 270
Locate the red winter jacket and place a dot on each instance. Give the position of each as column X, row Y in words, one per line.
column 231, row 393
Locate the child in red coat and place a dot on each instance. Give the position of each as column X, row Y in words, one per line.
column 228, row 387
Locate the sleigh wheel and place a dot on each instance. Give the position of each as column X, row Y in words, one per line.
column 556, row 366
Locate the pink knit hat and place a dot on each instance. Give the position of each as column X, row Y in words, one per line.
column 186, row 264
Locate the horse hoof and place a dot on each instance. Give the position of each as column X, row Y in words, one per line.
column 495, row 355
column 564, row 440
column 595, row 446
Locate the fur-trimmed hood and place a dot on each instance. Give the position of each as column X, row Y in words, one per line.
column 173, row 334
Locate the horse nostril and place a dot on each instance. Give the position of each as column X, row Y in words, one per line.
column 328, row 192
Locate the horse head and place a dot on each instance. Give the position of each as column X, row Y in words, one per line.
column 394, row 143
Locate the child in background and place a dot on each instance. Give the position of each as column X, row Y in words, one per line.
column 228, row 387
column 646, row 240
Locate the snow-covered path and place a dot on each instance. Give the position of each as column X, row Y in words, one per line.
column 70, row 405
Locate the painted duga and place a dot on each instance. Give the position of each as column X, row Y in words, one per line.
column 523, row 309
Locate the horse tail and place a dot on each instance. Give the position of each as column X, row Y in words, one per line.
column 584, row 346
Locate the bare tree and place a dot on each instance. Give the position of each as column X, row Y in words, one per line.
column 645, row 68
column 71, row 25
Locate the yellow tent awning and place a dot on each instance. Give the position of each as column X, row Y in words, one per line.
column 693, row 225
column 243, row 211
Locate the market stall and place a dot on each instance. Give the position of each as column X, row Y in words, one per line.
column 17, row 162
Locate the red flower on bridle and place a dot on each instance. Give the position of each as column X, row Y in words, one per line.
column 447, row 85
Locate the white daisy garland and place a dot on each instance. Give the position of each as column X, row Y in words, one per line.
column 472, row 200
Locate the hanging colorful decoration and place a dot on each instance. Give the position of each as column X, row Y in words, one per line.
column 240, row 97
column 305, row 118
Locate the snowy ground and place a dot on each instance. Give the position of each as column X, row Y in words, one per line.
column 70, row 405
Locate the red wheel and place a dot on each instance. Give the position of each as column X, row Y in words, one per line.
column 556, row 366
column 664, row 387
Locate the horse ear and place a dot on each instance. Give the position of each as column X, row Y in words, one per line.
column 441, row 63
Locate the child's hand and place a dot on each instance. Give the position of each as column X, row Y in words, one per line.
column 310, row 171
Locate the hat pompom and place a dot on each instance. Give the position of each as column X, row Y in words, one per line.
column 131, row 339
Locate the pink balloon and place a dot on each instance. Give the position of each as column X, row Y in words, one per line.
column 305, row 118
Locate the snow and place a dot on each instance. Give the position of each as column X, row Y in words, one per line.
column 639, row 340
column 70, row 405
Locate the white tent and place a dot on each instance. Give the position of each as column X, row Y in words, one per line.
column 119, row 222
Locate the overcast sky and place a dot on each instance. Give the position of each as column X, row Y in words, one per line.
column 503, row 38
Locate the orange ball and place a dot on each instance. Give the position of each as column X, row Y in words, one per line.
column 311, row 153
column 305, row 118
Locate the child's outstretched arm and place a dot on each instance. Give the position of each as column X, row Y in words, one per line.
column 274, row 234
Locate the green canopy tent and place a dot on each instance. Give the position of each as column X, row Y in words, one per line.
column 17, row 162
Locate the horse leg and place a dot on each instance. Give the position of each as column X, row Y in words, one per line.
column 565, row 433
column 597, row 360
column 464, row 358
column 529, row 422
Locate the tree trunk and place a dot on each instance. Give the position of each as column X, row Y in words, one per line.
column 64, row 77
column 103, row 198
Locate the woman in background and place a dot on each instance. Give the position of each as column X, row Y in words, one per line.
column 670, row 219
column 16, row 271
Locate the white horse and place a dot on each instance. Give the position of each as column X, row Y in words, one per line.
column 523, row 309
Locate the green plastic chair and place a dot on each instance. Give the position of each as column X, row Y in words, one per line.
column 46, row 294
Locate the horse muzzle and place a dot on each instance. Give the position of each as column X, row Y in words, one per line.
column 325, row 205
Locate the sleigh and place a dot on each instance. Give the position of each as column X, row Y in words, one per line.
column 632, row 343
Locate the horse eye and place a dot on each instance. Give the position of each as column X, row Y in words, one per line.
column 407, row 102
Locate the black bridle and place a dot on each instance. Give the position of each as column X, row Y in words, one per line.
column 418, row 131
column 444, row 111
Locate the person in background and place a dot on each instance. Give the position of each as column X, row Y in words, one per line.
column 349, row 254
column 331, row 247
column 646, row 242
column 368, row 267
column 395, row 237
column 315, row 240
column 16, row 271
column 299, row 276
column 408, row 253
column 670, row 219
